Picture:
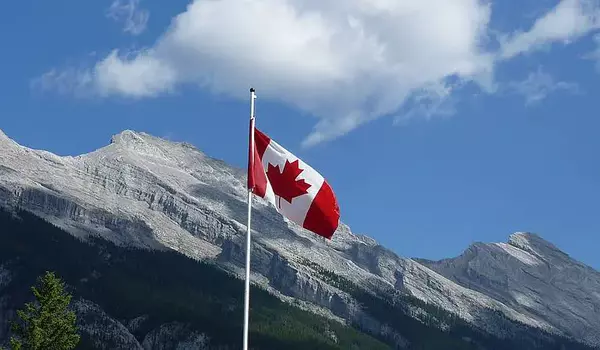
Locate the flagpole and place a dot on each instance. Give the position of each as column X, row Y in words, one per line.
column 248, row 227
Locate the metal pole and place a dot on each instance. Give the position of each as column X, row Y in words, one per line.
column 248, row 245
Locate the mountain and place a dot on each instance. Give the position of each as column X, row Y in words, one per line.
column 127, row 298
column 532, row 275
column 143, row 192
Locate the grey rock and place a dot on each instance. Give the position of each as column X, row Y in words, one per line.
column 176, row 336
column 532, row 275
column 105, row 332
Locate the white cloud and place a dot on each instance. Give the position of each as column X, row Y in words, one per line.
column 595, row 55
column 539, row 84
column 435, row 100
column 69, row 81
column 345, row 62
column 566, row 22
column 134, row 19
column 143, row 76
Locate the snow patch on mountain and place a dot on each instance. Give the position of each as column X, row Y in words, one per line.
column 521, row 255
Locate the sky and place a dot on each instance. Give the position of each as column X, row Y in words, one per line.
column 438, row 123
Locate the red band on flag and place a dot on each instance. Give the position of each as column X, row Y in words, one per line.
column 257, row 179
column 251, row 151
column 261, row 141
column 324, row 214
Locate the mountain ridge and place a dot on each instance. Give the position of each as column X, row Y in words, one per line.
column 497, row 268
column 143, row 191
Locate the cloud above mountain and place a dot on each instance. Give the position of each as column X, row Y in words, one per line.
column 346, row 62
column 128, row 12
column 566, row 22
column 539, row 84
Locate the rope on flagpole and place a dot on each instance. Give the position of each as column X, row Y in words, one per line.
column 248, row 245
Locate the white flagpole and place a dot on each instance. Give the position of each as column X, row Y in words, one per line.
column 247, row 291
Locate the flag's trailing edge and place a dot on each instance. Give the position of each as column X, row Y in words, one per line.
column 297, row 191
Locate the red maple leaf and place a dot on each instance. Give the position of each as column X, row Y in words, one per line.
column 284, row 182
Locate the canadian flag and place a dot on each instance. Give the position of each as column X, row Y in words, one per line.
column 297, row 191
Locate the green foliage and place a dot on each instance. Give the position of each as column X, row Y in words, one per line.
column 46, row 323
column 166, row 286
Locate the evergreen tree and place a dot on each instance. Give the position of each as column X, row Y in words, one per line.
column 46, row 323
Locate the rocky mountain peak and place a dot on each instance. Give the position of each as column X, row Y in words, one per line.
column 141, row 143
column 535, row 244
column 131, row 139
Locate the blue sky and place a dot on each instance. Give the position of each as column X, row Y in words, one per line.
column 434, row 132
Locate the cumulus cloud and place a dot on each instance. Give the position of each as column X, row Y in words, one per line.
column 539, row 84
column 566, row 22
column 134, row 19
column 345, row 62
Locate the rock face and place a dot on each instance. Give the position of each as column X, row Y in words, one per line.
column 147, row 192
column 105, row 332
column 168, row 336
column 532, row 275
column 108, row 333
